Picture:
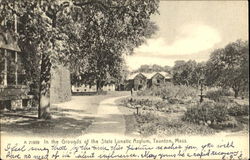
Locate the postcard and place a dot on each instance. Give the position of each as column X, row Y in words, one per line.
column 131, row 79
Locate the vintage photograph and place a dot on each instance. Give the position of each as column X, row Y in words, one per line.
column 130, row 68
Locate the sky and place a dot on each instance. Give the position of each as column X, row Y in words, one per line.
column 191, row 30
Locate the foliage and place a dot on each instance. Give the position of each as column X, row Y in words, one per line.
column 238, row 110
column 153, row 68
column 229, row 67
column 150, row 123
column 90, row 36
column 147, row 123
column 218, row 115
column 207, row 113
column 172, row 93
column 147, row 103
column 217, row 94
column 188, row 73
column 111, row 29
column 180, row 127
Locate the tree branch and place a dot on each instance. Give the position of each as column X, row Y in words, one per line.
column 81, row 4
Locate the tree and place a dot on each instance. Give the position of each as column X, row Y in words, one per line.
column 188, row 73
column 152, row 68
column 229, row 67
column 182, row 72
column 144, row 68
column 113, row 29
column 167, row 69
column 73, row 32
column 198, row 74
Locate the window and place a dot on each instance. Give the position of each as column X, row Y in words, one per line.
column 158, row 81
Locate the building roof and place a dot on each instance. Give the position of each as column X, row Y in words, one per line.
column 166, row 75
column 132, row 76
column 7, row 41
column 150, row 75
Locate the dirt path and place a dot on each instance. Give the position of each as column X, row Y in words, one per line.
column 69, row 119
column 109, row 119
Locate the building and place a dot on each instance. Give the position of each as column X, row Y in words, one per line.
column 155, row 79
column 137, row 81
column 14, row 91
column 140, row 81
column 13, row 88
column 85, row 88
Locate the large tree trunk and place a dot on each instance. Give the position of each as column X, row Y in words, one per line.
column 45, row 77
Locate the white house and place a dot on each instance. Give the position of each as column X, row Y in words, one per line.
column 89, row 88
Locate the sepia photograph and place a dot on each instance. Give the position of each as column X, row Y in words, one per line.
column 124, row 79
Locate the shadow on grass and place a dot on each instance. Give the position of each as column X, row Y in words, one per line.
column 57, row 127
column 63, row 123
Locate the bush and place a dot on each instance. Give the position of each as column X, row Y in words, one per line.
column 147, row 123
column 151, row 103
column 146, row 103
column 218, row 94
column 150, row 124
column 207, row 113
column 173, row 94
column 238, row 110
column 183, row 128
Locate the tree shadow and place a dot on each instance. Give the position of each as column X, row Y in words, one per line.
column 65, row 123
column 57, row 127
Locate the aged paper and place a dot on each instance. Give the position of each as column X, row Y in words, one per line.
column 187, row 30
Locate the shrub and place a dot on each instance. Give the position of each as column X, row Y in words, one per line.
column 184, row 128
column 173, row 94
column 207, row 113
column 218, row 94
column 144, row 102
column 238, row 110
column 151, row 103
column 150, row 124
column 147, row 123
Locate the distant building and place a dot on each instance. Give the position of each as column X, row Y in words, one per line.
column 85, row 88
column 137, row 81
column 140, row 81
